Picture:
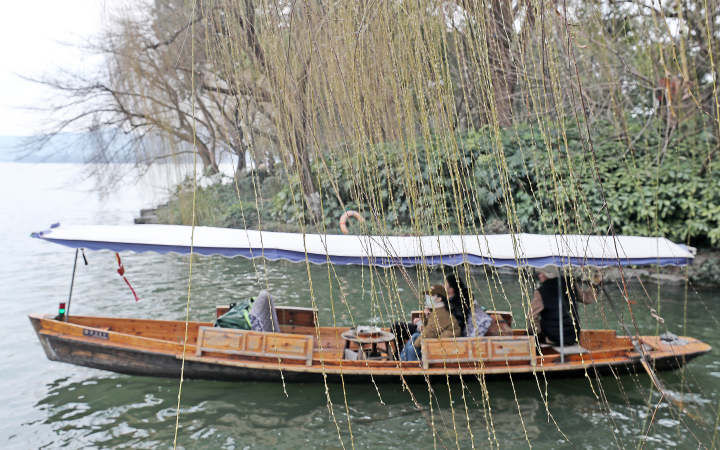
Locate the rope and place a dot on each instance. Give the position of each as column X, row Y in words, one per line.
column 192, row 230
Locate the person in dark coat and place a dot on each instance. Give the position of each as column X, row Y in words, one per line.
column 458, row 299
column 545, row 307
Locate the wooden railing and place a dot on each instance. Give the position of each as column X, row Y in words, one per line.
column 478, row 349
column 255, row 343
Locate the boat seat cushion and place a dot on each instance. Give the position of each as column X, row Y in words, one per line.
column 570, row 350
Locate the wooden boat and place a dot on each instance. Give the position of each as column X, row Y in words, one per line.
column 303, row 351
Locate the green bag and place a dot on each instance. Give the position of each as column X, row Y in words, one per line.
column 238, row 316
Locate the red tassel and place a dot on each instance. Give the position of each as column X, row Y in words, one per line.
column 131, row 289
column 121, row 272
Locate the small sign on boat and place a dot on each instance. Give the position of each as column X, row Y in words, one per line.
column 95, row 333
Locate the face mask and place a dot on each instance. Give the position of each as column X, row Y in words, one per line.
column 429, row 301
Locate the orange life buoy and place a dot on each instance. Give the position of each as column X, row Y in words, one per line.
column 344, row 218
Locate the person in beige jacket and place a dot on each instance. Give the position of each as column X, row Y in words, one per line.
column 438, row 323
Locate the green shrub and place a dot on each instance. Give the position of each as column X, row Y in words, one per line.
column 459, row 183
column 554, row 186
column 707, row 272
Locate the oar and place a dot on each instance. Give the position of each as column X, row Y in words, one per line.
column 645, row 363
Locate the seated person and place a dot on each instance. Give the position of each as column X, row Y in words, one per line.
column 438, row 323
column 499, row 326
column 263, row 316
column 458, row 299
column 546, row 309
column 473, row 320
column 479, row 323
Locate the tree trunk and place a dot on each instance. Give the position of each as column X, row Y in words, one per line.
column 310, row 193
column 503, row 74
column 312, row 197
column 209, row 163
column 241, row 163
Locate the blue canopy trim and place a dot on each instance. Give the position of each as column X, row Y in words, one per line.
column 297, row 257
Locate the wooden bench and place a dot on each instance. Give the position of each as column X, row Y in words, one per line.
column 255, row 343
column 477, row 349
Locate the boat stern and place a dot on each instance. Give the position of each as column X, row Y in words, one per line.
column 38, row 321
column 671, row 352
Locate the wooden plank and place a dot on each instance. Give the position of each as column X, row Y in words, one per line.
column 221, row 340
column 446, row 350
column 221, row 309
column 451, row 350
column 592, row 339
column 100, row 336
column 254, row 342
column 293, row 315
column 327, row 354
column 512, row 348
column 154, row 329
column 480, row 349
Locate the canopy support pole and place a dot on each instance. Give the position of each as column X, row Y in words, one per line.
column 560, row 318
column 72, row 284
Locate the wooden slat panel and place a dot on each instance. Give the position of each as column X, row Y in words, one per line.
column 286, row 345
column 221, row 340
column 254, row 343
column 447, row 350
column 480, row 349
column 491, row 349
column 510, row 349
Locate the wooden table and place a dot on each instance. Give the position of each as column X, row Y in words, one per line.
column 368, row 345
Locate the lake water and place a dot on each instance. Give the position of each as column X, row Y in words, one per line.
column 50, row 404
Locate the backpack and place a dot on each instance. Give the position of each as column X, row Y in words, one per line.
column 238, row 316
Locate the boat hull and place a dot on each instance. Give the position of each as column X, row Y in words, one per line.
column 144, row 363
column 91, row 350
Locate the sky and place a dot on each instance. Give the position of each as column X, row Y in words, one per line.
column 36, row 39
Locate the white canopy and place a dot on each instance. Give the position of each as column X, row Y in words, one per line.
column 497, row 250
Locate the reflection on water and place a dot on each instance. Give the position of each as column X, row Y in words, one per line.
column 52, row 404
column 114, row 410
column 136, row 411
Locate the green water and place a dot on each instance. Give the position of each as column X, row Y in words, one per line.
column 48, row 404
